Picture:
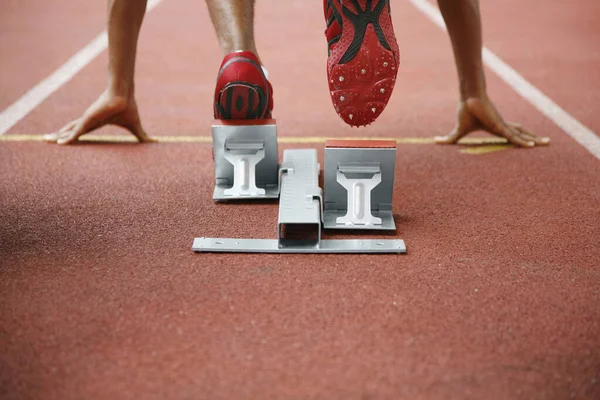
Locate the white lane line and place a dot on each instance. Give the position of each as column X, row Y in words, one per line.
column 582, row 134
column 35, row 96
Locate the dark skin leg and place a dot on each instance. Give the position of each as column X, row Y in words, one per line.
column 234, row 24
column 476, row 111
column 233, row 21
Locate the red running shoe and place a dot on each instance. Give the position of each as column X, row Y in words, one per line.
column 243, row 91
column 363, row 58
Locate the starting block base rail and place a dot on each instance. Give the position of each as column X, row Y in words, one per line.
column 300, row 203
column 216, row 245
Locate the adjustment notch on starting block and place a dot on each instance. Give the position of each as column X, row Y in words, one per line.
column 359, row 184
column 246, row 159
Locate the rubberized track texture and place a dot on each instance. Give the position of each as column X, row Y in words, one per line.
column 101, row 296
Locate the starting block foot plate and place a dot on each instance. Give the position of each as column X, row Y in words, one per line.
column 214, row 245
column 246, row 160
column 358, row 184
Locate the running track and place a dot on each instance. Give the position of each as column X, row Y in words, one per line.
column 102, row 298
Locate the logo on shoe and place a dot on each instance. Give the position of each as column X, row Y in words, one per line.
column 241, row 100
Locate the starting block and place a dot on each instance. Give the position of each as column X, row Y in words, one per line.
column 301, row 205
column 246, row 160
column 359, row 184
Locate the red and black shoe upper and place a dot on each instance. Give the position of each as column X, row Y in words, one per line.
column 242, row 90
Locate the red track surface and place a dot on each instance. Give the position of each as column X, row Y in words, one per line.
column 102, row 298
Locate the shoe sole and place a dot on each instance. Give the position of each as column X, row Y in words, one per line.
column 363, row 69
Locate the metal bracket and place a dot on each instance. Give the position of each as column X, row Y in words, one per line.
column 300, row 206
column 359, row 180
column 246, row 160
column 244, row 156
column 358, row 183
column 214, row 245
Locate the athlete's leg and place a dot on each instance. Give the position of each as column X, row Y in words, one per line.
column 242, row 90
column 234, row 24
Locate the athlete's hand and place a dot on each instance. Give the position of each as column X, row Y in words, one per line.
column 108, row 109
column 476, row 114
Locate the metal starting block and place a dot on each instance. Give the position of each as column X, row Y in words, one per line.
column 300, row 206
column 358, row 184
column 246, row 160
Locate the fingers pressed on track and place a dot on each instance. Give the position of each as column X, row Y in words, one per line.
column 53, row 137
column 539, row 141
column 515, row 137
column 72, row 135
column 451, row 138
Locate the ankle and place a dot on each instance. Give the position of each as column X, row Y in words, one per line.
column 240, row 47
column 255, row 54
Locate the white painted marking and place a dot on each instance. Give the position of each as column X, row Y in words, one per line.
column 579, row 132
column 35, row 96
